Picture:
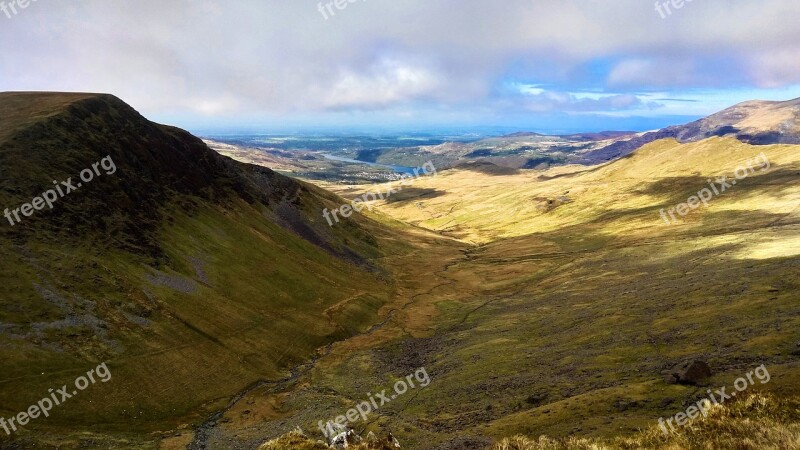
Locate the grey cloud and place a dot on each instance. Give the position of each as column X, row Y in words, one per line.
column 210, row 57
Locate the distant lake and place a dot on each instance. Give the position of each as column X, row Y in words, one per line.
column 398, row 169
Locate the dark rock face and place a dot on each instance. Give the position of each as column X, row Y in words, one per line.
column 689, row 372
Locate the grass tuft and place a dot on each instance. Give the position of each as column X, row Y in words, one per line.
column 753, row 423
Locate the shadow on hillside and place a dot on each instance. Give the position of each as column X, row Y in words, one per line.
column 412, row 193
column 702, row 224
column 487, row 168
column 678, row 189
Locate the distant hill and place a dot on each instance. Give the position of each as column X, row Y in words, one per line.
column 602, row 135
column 576, row 136
column 753, row 122
column 522, row 134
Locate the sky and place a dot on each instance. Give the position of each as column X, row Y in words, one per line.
column 282, row 65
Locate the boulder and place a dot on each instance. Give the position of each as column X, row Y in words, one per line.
column 537, row 399
column 689, row 372
column 671, row 378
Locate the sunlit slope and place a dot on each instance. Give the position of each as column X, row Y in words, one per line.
column 571, row 319
column 619, row 198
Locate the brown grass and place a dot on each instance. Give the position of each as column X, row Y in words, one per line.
column 756, row 422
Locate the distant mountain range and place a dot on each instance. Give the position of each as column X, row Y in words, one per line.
column 753, row 122
column 599, row 136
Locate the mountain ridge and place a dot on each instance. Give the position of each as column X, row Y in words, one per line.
column 757, row 122
column 185, row 270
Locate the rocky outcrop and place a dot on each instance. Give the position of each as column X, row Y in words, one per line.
column 689, row 372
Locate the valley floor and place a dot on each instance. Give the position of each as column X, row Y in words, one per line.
column 563, row 319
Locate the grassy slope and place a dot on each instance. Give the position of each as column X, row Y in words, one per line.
column 563, row 321
column 756, row 423
column 622, row 196
column 258, row 310
column 204, row 298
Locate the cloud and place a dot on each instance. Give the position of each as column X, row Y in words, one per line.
column 652, row 73
column 387, row 82
column 539, row 100
column 277, row 58
column 776, row 69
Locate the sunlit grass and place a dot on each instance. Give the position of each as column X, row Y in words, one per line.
column 755, row 423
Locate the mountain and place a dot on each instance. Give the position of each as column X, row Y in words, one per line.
column 51, row 135
column 192, row 275
column 754, row 122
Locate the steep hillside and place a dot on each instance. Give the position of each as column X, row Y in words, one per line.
column 57, row 135
column 192, row 275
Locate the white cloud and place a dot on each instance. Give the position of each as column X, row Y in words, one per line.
column 652, row 73
column 281, row 57
column 388, row 82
